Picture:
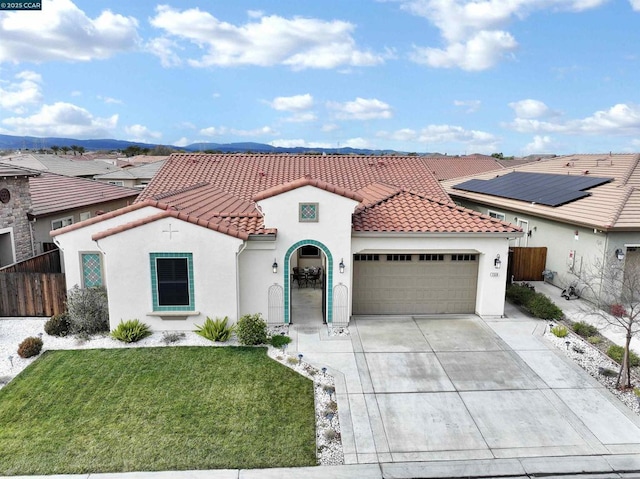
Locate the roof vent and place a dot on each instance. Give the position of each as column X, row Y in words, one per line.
column 585, row 172
column 262, row 173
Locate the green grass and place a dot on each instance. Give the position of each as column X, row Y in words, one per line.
column 155, row 409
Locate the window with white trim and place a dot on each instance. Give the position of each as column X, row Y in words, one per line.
column 61, row 222
column 498, row 216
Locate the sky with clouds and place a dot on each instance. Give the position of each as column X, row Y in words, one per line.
column 451, row 76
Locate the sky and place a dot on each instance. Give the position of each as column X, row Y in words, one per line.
column 450, row 76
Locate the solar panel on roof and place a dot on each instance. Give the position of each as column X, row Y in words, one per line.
column 543, row 188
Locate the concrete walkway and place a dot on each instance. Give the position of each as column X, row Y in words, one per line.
column 456, row 396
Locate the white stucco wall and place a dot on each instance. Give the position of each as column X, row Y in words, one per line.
column 332, row 230
column 128, row 276
column 491, row 286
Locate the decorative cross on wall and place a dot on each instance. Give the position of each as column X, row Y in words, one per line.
column 170, row 231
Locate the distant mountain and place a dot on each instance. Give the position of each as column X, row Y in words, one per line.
column 8, row 142
column 263, row 148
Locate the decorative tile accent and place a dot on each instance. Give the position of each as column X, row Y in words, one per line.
column 91, row 270
column 287, row 278
column 154, row 281
column 308, row 212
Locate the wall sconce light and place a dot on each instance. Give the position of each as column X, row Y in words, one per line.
column 620, row 254
column 497, row 263
column 341, row 266
column 274, row 266
column 576, row 235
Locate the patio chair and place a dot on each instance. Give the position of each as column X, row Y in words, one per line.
column 314, row 277
column 298, row 277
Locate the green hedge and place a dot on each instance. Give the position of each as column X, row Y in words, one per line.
column 536, row 303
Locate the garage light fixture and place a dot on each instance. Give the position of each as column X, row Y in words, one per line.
column 341, row 266
column 274, row 266
column 497, row 263
column 620, row 254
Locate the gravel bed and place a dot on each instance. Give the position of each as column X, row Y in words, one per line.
column 328, row 438
column 592, row 360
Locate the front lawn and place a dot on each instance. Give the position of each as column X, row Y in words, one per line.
column 151, row 409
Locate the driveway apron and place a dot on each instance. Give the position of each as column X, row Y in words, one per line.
column 444, row 388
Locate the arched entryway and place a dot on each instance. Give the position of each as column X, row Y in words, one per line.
column 327, row 283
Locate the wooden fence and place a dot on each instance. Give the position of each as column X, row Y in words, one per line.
column 527, row 264
column 34, row 287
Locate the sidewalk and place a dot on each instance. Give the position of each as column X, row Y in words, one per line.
column 578, row 310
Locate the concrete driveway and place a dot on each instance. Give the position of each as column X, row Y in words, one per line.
column 462, row 388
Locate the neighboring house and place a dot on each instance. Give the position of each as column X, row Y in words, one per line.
column 132, row 177
column 584, row 208
column 58, row 201
column 15, row 203
column 219, row 235
column 59, row 164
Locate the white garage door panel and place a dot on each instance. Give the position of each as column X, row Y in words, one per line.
column 414, row 287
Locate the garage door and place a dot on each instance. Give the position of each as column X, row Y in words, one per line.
column 414, row 283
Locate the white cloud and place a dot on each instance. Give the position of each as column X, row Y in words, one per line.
column 299, row 143
column 445, row 135
column 164, row 48
column 76, row 93
column 64, row 32
column 329, row 127
column 361, row 109
column 480, row 52
column 62, row 119
column 224, row 131
column 263, row 41
column 619, row 120
column 19, row 95
column 635, row 4
column 142, row 134
column 292, row 103
column 471, row 105
column 110, row 101
column 360, row 143
column 529, row 108
column 184, row 141
column 540, row 144
column 474, row 31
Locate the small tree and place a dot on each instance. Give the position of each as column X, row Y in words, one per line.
column 614, row 289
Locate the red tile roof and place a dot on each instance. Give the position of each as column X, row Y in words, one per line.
column 306, row 181
column 244, row 176
column 409, row 212
column 447, row 167
column 52, row 193
column 396, row 194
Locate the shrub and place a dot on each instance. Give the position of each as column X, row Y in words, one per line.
column 131, row 331
column 584, row 329
column 560, row 331
column 594, row 339
column 542, row 307
column 217, row 330
column 616, row 352
column 251, row 329
column 279, row 340
column 88, row 310
column 168, row 337
column 57, row 325
column 31, row 346
column 520, row 295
